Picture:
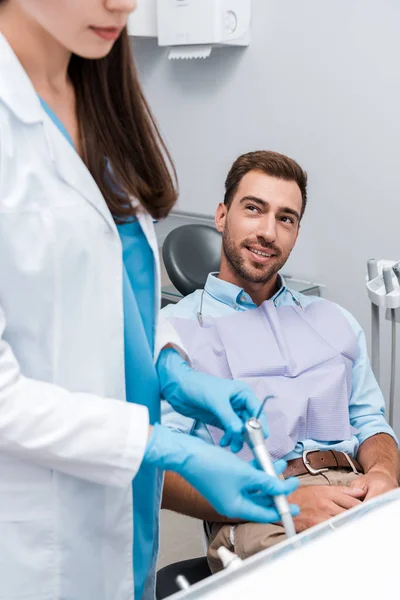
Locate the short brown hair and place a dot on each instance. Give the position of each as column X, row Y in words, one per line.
column 271, row 163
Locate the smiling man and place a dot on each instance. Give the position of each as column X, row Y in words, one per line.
column 260, row 220
column 326, row 417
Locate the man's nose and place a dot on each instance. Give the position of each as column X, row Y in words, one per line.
column 268, row 228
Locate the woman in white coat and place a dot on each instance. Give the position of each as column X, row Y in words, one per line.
column 82, row 175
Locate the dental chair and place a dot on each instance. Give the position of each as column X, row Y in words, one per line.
column 190, row 253
column 195, row 570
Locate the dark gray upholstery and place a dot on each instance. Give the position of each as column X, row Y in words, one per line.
column 190, row 253
column 194, row 570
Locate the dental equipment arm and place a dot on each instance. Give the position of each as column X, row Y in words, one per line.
column 396, row 271
column 373, row 272
column 255, row 439
column 387, row 278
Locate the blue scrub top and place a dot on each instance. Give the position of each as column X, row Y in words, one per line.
column 142, row 386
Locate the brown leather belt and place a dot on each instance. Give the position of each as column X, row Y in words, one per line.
column 318, row 461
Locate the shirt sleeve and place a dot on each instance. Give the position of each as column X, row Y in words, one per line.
column 175, row 420
column 169, row 417
column 367, row 405
column 168, row 336
column 83, row 435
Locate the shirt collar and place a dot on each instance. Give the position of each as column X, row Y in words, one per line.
column 233, row 295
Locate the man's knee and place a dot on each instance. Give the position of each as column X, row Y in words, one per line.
column 244, row 539
column 251, row 538
column 221, row 535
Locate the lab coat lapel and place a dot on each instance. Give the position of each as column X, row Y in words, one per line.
column 16, row 89
column 18, row 93
column 74, row 172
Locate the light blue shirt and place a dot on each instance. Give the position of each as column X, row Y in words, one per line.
column 366, row 405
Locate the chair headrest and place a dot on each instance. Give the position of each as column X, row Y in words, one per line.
column 190, row 253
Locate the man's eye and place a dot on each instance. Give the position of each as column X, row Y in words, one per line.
column 287, row 220
column 252, row 208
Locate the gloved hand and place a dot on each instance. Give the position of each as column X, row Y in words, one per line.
column 225, row 403
column 235, row 489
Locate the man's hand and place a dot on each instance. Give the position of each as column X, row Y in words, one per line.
column 321, row 502
column 374, row 483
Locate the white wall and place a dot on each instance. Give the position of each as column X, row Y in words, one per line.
column 320, row 82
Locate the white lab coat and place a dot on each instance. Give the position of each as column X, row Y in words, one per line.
column 69, row 443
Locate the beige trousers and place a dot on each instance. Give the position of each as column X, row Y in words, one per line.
column 246, row 539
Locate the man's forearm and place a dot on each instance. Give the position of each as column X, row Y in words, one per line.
column 182, row 498
column 380, row 453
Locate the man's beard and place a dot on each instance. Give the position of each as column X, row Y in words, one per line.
column 257, row 273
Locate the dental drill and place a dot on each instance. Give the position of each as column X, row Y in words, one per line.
column 255, row 439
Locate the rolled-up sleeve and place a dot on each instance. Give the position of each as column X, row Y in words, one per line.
column 367, row 405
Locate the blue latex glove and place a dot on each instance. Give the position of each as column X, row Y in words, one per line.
column 225, row 403
column 235, row 489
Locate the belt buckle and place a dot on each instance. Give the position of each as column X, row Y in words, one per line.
column 352, row 465
column 307, row 465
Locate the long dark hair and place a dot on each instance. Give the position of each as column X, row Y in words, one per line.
column 116, row 125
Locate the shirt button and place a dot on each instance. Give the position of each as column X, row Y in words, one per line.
column 243, row 298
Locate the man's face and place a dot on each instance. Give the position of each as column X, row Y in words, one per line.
column 261, row 226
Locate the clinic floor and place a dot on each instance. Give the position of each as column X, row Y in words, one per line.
column 181, row 538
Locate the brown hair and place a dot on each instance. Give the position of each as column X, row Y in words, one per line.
column 117, row 128
column 270, row 163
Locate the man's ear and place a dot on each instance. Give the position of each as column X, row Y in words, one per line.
column 220, row 217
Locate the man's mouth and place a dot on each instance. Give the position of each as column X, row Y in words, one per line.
column 263, row 253
column 261, row 256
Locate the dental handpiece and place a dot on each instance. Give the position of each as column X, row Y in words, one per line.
column 396, row 270
column 387, row 279
column 372, row 266
column 255, row 439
